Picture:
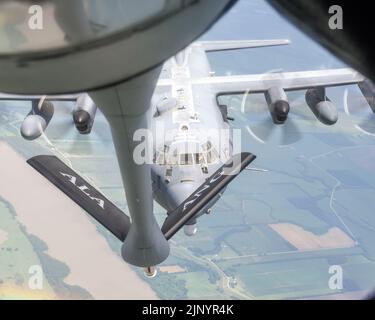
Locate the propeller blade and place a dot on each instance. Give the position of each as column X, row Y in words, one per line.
column 357, row 103
column 63, row 107
column 263, row 130
column 81, row 146
column 368, row 124
column 268, row 132
column 61, row 128
column 291, row 133
column 101, row 131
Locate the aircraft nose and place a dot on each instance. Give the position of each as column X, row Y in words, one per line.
column 32, row 127
column 179, row 192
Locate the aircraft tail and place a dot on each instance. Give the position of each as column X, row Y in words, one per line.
column 210, row 46
column 82, row 193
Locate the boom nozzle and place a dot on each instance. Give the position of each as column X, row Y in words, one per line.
column 150, row 272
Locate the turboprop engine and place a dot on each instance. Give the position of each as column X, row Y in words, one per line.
column 37, row 120
column 278, row 104
column 84, row 114
column 323, row 109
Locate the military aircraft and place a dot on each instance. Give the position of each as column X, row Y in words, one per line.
column 166, row 89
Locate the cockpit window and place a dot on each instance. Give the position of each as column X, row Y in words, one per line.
column 207, row 155
column 186, row 159
column 212, row 154
column 198, row 158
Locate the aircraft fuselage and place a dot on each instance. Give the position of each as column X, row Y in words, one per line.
column 192, row 138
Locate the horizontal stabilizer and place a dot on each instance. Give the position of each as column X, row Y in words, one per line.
column 205, row 193
column 241, row 44
column 82, row 193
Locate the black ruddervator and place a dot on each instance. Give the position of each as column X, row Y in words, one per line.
column 114, row 219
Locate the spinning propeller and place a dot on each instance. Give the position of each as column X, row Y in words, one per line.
column 271, row 122
column 362, row 107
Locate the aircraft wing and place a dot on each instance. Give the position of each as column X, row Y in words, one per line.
column 162, row 83
column 16, row 97
column 210, row 46
column 289, row 81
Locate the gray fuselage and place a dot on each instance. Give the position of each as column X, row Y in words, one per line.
column 192, row 138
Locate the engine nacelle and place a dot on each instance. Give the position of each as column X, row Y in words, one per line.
column 37, row 120
column 278, row 104
column 323, row 109
column 84, row 114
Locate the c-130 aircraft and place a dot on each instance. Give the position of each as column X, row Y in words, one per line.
column 190, row 166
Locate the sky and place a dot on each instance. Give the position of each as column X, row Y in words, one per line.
column 256, row 19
